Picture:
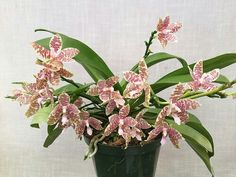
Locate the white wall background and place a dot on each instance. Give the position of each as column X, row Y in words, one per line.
column 116, row 30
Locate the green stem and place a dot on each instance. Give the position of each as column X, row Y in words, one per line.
column 214, row 91
column 148, row 44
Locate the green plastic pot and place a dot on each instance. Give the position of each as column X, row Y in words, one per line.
column 135, row 161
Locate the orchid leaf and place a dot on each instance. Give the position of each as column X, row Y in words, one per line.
column 192, row 134
column 202, row 153
column 52, row 136
column 41, row 115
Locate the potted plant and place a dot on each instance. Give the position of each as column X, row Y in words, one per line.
column 123, row 120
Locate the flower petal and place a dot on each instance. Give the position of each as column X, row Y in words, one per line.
column 175, row 136
column 67, row 54
column 64, row 99
column 130, row 122
column 143, row 70
column 197, row 70
column 124, row 111
column 177, row 93
column 114, row 122
column 55, row 115
column 45, row 53
column 110, row 107
column 112, row 81
column 95, row 123
column 133, row 91
column 132, row 77
column 211, row 76
column 93, row 91
column 147, row 91
column 55, row 45
column 187, row 104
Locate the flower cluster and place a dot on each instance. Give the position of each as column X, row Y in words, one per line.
column 113, row 112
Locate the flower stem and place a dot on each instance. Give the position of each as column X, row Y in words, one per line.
column 148, row 44
column 214, row 91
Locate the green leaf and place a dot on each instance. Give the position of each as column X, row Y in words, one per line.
column 182, row 74
column 51, row 128
column 41, row 115
column 204, row 132
column 92, row 63
column 35, row 125
column 202, row 153
column 52, row 136
column 190, row 133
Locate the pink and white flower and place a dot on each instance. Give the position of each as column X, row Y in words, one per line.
column 104, row 89
column 55, row 51
column 141, row 124
column 34, row 94
column 138, row 83
column 166, row 130
column 64, row 111
column 54, row 60
column 166, row 30
column 202, row 80
column 88, row 122
column 123, row 122
column 178, row 107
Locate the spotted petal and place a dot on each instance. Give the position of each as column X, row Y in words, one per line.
column 133, row 91
column 132, row 77
column 111, row 81
column 141, row 123
column 211, row 76
column 177, row 93
column 143, row 70
column 197, row 70
column 114, row 122
column 95, row 123
column 124, row 111
column 64, row 99
column 55, row 44
column 175, row 136
column 67, row 54
column 45, row 53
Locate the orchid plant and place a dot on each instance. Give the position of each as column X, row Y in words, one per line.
column 128, row 111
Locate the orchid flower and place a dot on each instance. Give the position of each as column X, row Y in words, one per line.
column 104, row 89
column 34, row 94
column 166, row 130
column 178, row 107
column 202, row 80
column 85, row 121
column 116, row 101
column 54, row 58
column 53, row 77
column 166, row 31
column 55, row 51
column 141, row 124
column 64, row 111
column 123, row 122
column 138, row 83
